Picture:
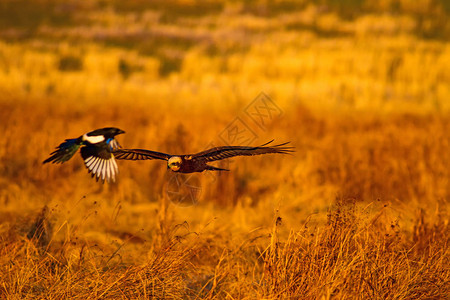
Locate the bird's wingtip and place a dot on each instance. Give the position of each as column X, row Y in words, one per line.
column 265, row 144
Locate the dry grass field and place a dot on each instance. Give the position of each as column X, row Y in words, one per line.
column 359, row 87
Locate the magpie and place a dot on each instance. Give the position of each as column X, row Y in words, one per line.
column 97, row 149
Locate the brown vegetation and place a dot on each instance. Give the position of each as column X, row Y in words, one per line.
column 359, row 211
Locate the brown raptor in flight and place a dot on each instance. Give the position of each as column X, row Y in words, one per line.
column 198, row 162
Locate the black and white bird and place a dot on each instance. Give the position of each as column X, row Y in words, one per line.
column 97, row 149
column 190, row 163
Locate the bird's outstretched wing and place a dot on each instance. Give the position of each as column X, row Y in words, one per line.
column 219, row 153
column 100, row 162
column 139, row 154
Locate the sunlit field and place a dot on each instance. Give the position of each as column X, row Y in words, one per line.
column 360, row 89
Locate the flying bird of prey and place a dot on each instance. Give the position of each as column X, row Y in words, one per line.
column 199, row 162
column 97, row 149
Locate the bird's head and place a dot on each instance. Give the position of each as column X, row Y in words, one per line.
column 106, row 133
column 174, row 163
column 116, row 131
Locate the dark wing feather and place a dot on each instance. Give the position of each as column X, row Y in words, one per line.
column 219, row 153
column 139, row 154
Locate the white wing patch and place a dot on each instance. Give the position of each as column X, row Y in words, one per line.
column 94, row 139
column 102, row 168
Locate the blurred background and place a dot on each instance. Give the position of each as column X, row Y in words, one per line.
column 359, row 87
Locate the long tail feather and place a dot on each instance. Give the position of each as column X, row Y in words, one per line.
column 63, row 152
column 211, row 168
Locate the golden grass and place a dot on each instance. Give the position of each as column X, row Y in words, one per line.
column 359, row 211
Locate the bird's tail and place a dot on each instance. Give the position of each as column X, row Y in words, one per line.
column 211, row 168
column 64, row 151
